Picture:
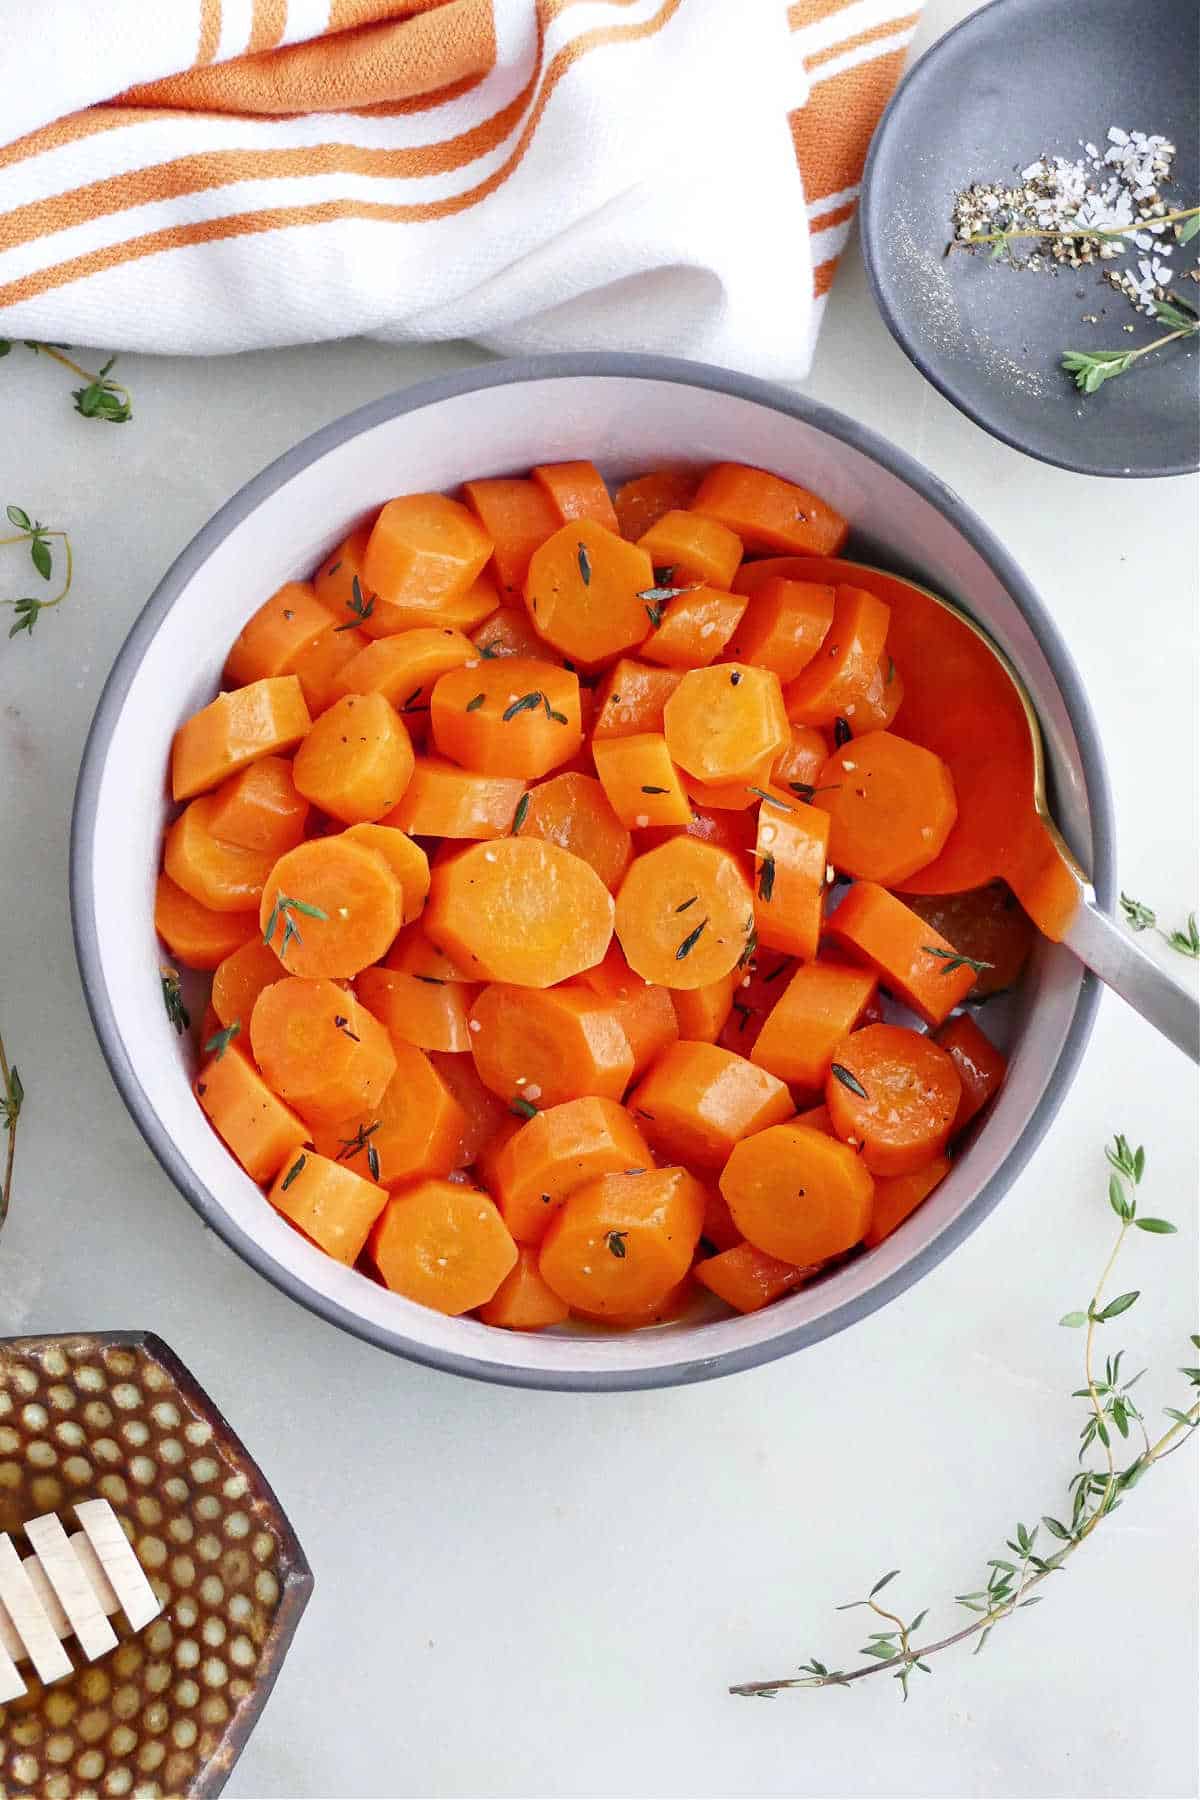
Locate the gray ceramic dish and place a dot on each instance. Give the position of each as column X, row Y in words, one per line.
column 1017, row 78
column 630, row 413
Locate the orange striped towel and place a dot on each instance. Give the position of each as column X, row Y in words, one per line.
column 215, row 175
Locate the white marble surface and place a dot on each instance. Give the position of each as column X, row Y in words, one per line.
column 538, row 1594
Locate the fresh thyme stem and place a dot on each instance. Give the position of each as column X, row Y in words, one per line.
column 1079, row 231
column 11, row 1096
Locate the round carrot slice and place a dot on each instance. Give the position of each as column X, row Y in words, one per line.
column 573, row 811
column 541, row 1048
column 521, row 911
column 622, row 1242
column 723, row 723
column 643, row 501
column 330, row 907
column 895, row 1092
column 319, row 1049
column 225, row 877
column 891, row 807
column 443, row 1245
column 523, row 1302
column 357, row 759
column 798, row 1194
column 685, row 914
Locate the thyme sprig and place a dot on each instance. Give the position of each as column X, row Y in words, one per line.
column 12, row 1096
column 954, row 962
column 361, row 608
column 1186, row 221
column 1090, row 369
column 32, row 532
column 99, row 398
column 177, row 1012
column 1143, row 918
column 1095, row 1491
column 284, row 907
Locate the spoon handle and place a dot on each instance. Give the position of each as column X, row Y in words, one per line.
column 1111, row 953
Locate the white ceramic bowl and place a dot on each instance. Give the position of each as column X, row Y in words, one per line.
column 629, row 414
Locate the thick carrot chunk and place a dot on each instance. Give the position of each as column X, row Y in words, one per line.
column 322, row 1051
column 784, row 624
column 196, row 934
column 520, row 911
column 877, row 708
column 820, row 1004
column 685, row 914
column 517, row 717
column 545, row 1160
column 507, row 631
column 412, row 1129
column 423, row 549
column 645, row 1012
column 640, row 503
column 576, row 490
column 769, row 513
column 746, row 1278
column 981, row 1067
column 898, row 1196
column 573, row 811
column 270, row 642
column 694, row 627
column 622, row 1242
column 258, row 1127
column 797, row 1194
column 223, row 876
column 235, row 729
column 432, row 1015
column 722, row 724
column 631, row 699
column 444, row 801
column 797, row 768
column 329, row 1204
column 318, row 666
column 240, row 978
column 698, row 1101
column 911, row 959
column 891, row 806
column 357, row 759
column 518, row 516
column 444, row 1246
column 405, row 668
column 261, row 808
column 641, row 781
column 543, row 1047
column 523, row 1302
column 484, row 1113
column 584, row 592
column 693, row 547
column 896, row 1093
column 338, row 583
column 701, row 1012
column 792, row 851
column 330, row 907
column 406, row 859
column 841, row 672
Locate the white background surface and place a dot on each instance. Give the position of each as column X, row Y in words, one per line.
column 543, row 1594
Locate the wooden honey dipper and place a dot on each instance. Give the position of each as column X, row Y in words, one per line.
column 69, row 1586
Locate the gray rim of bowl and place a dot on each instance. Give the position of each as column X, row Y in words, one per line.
column 924, row 69
column 411, row 400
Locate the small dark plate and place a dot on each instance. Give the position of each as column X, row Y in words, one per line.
column 1016, row 79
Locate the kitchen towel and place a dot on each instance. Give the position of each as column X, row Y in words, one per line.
column 203, row 176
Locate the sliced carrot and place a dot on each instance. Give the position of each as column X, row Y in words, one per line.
column 898, row 1196
column 225, row 877
column 728, row 828
column 731, row 796
column 444, row 801
column 413, row 952
column 240, row 978
column 334, row 582
column 507, row 631
column 988, row 925
column 258, row 1127
column 746, row 1278
column 198, row 936
column 981, row 1067
column 684, row 914
column 820, row 1004
column 891, row 807
column 520, row 911
column 584, row 592
column 519, row 717
column 432, row 1015
column 318, row 666
column 523, row 1302
column 792, row 853
column 701, row 1012
column 541, row 1048
column 330, row 1204
column 572, row 810
column 414, row 1128
column 238, row 728
column 698, row 1101
column 645, row 1012
column 488, row 1156
column 405, row 668
column 622, row 1242
column 631, row 699
column 769, row 513
column 518, row 516
column 483, row 1112
column 576, row 490
column 319, row 1049
column 784, row 624
column 694, row 627
column 640, row 780
column 558, row 1151
column 720, row 1232
column 357, row 759
column 260, row 808
column 896, row 1093
column 876, row 709
column 330, row 907
column 643, row 501
column 722, row 724
column 818, row 1118
column 273, row 638
column 693, row 547
column 911, row 959
column 757, row 991
column 844, row 667
column 423, row 549
column 797, row 1194
column 407, row 861
column 797, row 768
column 444, row 1246
column 463, row 612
